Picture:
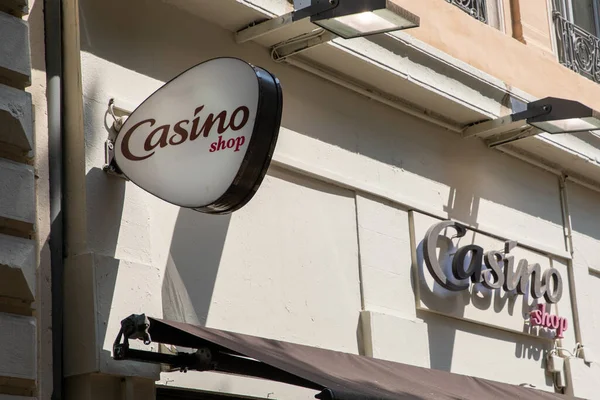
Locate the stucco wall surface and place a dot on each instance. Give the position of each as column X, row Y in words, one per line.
column 584, row 206
column 308, row 260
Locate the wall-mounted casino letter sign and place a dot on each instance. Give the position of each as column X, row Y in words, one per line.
column 494, row 269
column 205, row 139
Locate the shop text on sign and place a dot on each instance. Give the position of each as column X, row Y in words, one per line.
column 205, row 139
column 494, row 269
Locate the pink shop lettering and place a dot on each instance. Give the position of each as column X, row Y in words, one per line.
column 222, row 144
column 541, row 318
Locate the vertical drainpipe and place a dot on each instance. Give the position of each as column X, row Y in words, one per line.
column 515, row 16
column 568, row 228
column 53, row 44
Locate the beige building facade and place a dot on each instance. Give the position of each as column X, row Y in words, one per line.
column 377, row 183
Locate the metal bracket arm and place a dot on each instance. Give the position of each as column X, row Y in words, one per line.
column 257, row 30
column 512, row 137
column 317, row 7
column 280, row 52
column 136, row 327
column 509, row 123
column 206, row 358
column 110, row 166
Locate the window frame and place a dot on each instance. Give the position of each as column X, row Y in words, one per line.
column 496, row 7
column 566, row 9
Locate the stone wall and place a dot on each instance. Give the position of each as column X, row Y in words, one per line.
column 18, row 248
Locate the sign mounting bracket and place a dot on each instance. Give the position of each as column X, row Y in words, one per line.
column 110, row 166
column 119, row 115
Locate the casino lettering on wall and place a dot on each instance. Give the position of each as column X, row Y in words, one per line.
column 494, row 269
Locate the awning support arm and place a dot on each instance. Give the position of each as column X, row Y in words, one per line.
column 204, row 359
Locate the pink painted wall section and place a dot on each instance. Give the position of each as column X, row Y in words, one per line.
column 524, row 66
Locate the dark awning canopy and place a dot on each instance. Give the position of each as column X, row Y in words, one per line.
column 338, row 376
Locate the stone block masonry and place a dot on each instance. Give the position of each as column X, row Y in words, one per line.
column 18, row 249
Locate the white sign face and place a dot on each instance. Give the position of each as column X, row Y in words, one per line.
column 189, row 142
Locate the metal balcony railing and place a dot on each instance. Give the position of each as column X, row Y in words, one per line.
column 476, row 8
column 578, row 49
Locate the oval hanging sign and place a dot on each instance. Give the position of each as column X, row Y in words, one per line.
column 205, row 139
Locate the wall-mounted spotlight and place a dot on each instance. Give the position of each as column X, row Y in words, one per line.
column 357, row 18
column 551, row 114
column 344, row 18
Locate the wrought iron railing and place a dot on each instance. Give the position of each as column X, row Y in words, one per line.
column 476, row 8
column 578, row 49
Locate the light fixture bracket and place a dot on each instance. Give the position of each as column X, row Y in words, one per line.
column 551, row 115
column 512, row 137
column 532, row 112
column 317, row 7
column 257, row 30
column 508, row 128
column 360, row 18
column 321, row 12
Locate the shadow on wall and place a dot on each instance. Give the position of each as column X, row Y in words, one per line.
column 192, row 266
column 462, row 206
column 106, row 212
column 194, row 256
column 441, row 350
column 193, row 261
column 441, row 344
column 584, row 206
column 92, row 278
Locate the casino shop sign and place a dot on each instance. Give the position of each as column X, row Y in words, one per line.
column 497, row 270
column 205, row 139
